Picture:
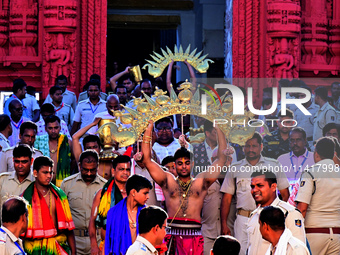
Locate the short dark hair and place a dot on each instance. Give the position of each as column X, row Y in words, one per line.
column 13, row 209
column 325, row 147
column 289, row 113
column 167, row 160
column 120, row 159
column 183, row 153
column 91, row 139
column 322, row 92
column 226, row 245
column 88, row 153
column 330, row 126
column 5, row 120
column 208, row 126
column 22, row 150
column 299, row 130
column 337, row 146
column 93, row 82
column 150, row 217
column 137, row 182
column 18, row 84
column 95, row 76
column 51, row 119
column 258, row 137
column 267, row 101
column 335, row 83
column 47, row 108
column 41, row 161
column 166, row 119
column 120, row 87
column 297, row 83
column 284, row 83
column 274, row 217
column 54, row 89
column 269, row 176
column 268, row 90
column 28, row 125
column 126, row 77
column 60, row 78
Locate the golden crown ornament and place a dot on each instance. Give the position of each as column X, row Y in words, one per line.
column 156, row 67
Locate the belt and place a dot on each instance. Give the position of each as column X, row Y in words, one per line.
column 83, row 232
column 244, row 213
column 322, row 230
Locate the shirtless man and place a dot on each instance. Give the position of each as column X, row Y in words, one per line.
column 184, row 195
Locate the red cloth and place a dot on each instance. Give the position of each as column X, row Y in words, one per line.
column 184, row 244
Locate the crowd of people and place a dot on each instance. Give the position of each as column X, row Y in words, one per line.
column 281, row 194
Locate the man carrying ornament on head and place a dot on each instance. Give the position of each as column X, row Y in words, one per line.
column 184, row 195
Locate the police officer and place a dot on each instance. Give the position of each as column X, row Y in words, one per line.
column 278, row 143
column 237, row 181
column 14, row 183
column 263, row 190
column 14, row 223
column 152, row 229
column 80, row 189
column 318, row 200
column 326, row 113
column 5, row 131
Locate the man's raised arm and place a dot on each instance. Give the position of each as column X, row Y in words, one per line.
column 156, row 172
column 76, row 148
column 224, row 158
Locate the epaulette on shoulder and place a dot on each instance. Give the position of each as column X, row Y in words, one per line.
column 270, row 159
column 286, row 206
column 102, row 178
column 70, row 177
column 5, row 174
column 37, row 150
column 3, row 237
column 8, row 149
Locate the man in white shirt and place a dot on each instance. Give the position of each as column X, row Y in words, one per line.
column 5, row 131
column 68, row 96
column 273, row 230
column 166, row 144
column 87, row 109
column 152, row 229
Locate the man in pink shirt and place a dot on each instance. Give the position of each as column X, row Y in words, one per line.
column 297, row 160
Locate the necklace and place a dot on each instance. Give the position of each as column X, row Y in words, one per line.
column 132, row 223
column 184, row 185
column 53, row 151
column 48, row 192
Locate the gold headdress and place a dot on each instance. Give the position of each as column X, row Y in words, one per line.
column 156, row 67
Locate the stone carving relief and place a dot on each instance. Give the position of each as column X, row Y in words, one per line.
column 23, row 27
column 3, row 26
column 283, row 57
column 59, row 54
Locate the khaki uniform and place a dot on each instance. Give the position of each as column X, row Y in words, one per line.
column 211, row 223
column 10, row 186
column 65, row 113
column 6, row 160
column 4, row 142
column 326, row 114
column 83, row 96
column 322, row 194
column 80, row 197
column 69, row 98
column 294, row 222
column 9, row 243
column 237, row 181
column 141, row 247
